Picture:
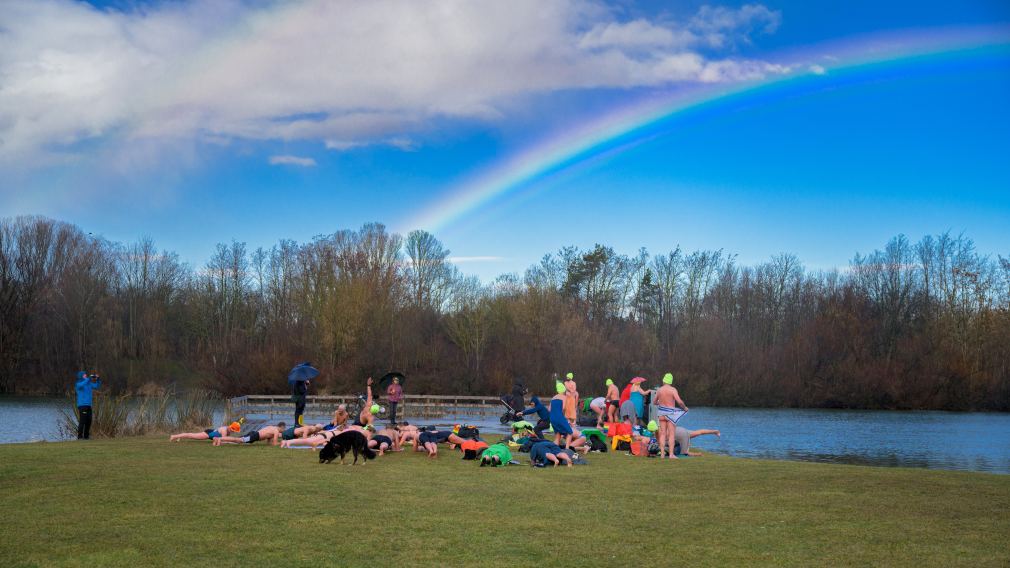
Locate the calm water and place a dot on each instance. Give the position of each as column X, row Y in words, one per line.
column 941, row 440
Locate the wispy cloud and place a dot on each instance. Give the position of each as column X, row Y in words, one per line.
column 292, row 161
column 336, row 72
column 467, row 259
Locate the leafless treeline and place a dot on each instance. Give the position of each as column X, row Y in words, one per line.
column 924, row 325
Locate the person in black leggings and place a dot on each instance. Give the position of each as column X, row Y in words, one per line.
column 84, row 385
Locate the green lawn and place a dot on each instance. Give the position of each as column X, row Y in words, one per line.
column 148, row 502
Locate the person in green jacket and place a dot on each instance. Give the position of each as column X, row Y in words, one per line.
column 495, row 455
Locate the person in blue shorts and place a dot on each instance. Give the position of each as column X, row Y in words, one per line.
column 208, row 434
column 558, row 420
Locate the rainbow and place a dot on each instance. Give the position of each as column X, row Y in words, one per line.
column 624, row 127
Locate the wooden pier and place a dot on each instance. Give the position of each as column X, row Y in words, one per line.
column 322, row 406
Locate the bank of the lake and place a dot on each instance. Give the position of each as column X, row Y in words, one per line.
column 144, row 501
column 970, row 441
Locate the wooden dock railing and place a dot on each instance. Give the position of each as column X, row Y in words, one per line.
column 323, row 406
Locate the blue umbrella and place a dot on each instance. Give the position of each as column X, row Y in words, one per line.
column 303, row 372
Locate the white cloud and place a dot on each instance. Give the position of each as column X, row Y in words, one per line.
column 337, row 72
column 818, row 69
column 292, row 161
column 466, row 259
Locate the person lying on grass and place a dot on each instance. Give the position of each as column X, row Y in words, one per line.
column 431, row 440
column 301, row 431
column 548, row 452
column 208, row 434
column 385, row 440
column 407, row 433
column 320, row 438
column 269, row 433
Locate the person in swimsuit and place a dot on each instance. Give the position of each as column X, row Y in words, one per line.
column 599, row 406
column 300, row 431
column 321, row 437
column 407, row 433
column 430, row 440
column 270, row 433
column 558, row 420
column 548, row 452
column 613, row 399
column 637, row 397
column 340, row 418
column 667, row 400
column 208, row 434
column 369, row 409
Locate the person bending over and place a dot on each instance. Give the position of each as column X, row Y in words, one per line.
column 543, row 415
column 270, row 433
column 549, row 452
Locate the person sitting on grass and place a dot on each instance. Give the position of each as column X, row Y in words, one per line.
column 543, row 415
column 578, row 443
column 269, row 433
column 340, row 418
column 546, row 452
column 208, row 434
column 300, row 431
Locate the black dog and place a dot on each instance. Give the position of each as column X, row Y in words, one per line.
column 340, row 444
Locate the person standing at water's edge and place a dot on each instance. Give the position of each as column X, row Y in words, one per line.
column 395, row 394
column 84, row 385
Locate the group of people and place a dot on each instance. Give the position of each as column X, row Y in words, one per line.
column 567, row 445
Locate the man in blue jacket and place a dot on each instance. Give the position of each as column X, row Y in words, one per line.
column 85, row 384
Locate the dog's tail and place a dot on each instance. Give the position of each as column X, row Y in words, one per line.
column 369, row 453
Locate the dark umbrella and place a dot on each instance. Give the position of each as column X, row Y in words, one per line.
column 302, row 373
column 388, row 378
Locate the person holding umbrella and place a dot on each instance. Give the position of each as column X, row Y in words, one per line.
column 299, row 378
column 394, row 393
column 84, row 385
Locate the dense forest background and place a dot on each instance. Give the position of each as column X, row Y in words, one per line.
column 923, row 325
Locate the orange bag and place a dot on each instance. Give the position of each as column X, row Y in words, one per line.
column 640, row 448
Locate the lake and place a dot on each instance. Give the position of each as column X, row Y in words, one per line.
column 972, row 441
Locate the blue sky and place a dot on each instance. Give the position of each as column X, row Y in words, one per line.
column 197, row 124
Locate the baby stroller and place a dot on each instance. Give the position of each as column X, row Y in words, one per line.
column 512, row 414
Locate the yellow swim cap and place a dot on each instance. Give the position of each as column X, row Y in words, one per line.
column 652, row 426
column 375, row 409
column 668, row 379
column 559, row 387
column 610, row 382
column 570, row 376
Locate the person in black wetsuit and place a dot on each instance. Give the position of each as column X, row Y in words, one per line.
column 299, row 392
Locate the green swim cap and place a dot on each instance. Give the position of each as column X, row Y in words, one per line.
column 652, row 427
column 375, row 409
column 610, row 382
column 570, row 376
column 559, row 387
column 668, row 379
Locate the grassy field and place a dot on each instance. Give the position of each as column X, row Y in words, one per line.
column 147, row 502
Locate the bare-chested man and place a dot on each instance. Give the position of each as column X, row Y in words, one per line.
column 385, row 440
column 667, row 401
column 613, row 399
column 367, row 416
column 208, row 434
column 320, row 438
column 270, row 433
